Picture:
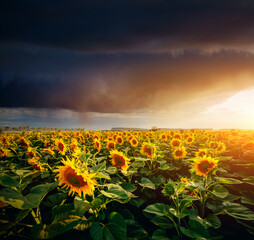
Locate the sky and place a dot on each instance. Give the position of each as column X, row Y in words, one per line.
column 134, row 63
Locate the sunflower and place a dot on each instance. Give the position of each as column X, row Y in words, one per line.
column 5, row 141
column 36, row 164
column 97, row 145
column 184, row 180
column 248, row 146
column 190, row 140
column 175, row 142
column 213, row 144
column 30, row 152
column 23, row 142
column 201, row 152
column 47, row 151
column 76, row 152
column 134, row 142
column 61, row 147
column 47, row 144
column 148, row 149
column 221, row 147
column 204, row 165
column 119, row 159
column 119, row 140
column 179, row 153
column 163, row 136
column 3, row 152
column 177, row 135
column 110, row 144
column 73, row 178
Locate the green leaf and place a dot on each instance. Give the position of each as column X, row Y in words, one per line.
column 159, row 209
column 37, row 193
column 249, row 180
column 96, row 231
column 115, row 191
column 111, row 170
column 247, row 200
column 220, row 191
column 238, row 211
column 7, row 181
column 228, row 180
column 99, row 167
column 81, row 205
column 146, row 183
column 135, row 230
column 214, row 221
column 164, row 166
column 196, row 230
column 117, row 226
column 116, row 229
column 137, row 202
column 55, row 199
column 15, row 199
column 162, row 222
column 128, row 187
column 62, row 212
column 160, row 234
column 102, row 175
column 43, row 231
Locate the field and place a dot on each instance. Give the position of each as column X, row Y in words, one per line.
column 106, row 185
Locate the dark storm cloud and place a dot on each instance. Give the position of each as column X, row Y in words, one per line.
column 106, row 26
column 120, row 82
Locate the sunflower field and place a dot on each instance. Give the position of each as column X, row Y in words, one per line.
column 118, row 185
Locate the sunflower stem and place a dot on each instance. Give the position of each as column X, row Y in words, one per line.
column 203, row 198
column 36, row 218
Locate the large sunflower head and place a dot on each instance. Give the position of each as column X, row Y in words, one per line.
column 119, row 159
column 204, row 165
column 71, row 176
column 179, row 153
column 148, row 149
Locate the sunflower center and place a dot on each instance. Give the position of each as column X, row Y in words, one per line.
column 205, row 166
column 61, row 146
column 179, row 153
column 148, row 151
column 176, row 143
column 111, row 145
column 119, row 161
column 76, row 180
column 134, row 142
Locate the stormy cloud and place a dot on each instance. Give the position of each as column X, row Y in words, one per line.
column 123, row 83
column 110, row 26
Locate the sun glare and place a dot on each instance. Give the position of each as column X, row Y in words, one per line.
column 239, row 107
